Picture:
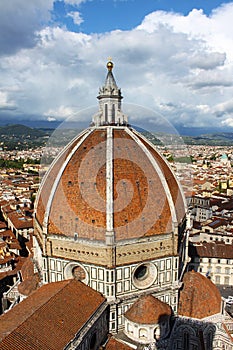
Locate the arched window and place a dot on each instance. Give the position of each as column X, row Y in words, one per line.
column 106, row 113
column 142, row 333
column 113, row 113
column 186, row 340
column 157, row 332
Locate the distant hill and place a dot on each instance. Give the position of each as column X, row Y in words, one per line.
column 215, row 139
column 20, row 130
column 18, row 136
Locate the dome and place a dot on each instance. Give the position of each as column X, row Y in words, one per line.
column 110, row 178
column 109, row 183
column 199, row 297
column 148, row 310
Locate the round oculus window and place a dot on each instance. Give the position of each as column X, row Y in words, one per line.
column 144, row 275
column 79, row 273
column 74, row 270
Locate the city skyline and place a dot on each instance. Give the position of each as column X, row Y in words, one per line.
column 175, row 59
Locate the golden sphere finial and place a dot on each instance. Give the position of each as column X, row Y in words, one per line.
column 110, row 63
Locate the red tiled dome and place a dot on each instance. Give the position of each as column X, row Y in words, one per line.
column 199, row 297
column 148, row 310
column 109, row 178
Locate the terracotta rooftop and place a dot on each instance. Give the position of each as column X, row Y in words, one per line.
column 3, row 225
column 147, row 310
column 211, row 250
column 30, row 280
column 199, row 297
column 19, row 221
column 50, row 317
column 114, row 344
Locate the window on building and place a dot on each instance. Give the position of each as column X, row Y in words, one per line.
column 227, row 270
column 217, row 279
column 218, row 269
column 186, row 341
column 143, row 333
column 93, row 341
column 226, row 280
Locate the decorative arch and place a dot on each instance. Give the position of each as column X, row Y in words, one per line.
column 76, row 270
column 143, row 333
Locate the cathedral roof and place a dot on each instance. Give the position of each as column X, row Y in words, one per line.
column 148, row 310
column 110, row 180
column 199, row 297
column 50, row 317
column 114, row 344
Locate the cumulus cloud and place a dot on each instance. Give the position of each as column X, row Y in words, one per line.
column 216, row 29
column 5, row 104
column 76, row 16
column 19, row 21
column 224, row 109
column 228, row 122
column 62, row 112
column 179, row 66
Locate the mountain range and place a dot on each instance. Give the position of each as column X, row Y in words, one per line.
column 21, row 136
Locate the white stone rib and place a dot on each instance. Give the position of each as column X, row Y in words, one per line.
column 159, row 172
column 109, row 181
column 165, row 160
column 52, row 164
column 56, row 182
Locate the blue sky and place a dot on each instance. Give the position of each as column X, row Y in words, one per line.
column 174, row 58
column 106, row 15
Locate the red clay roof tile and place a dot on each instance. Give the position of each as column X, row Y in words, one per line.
column 50, row 317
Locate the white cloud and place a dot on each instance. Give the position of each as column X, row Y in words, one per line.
column 62, row 112
column 75, row 2
column 223, row 109
column 228, row 122
column 76, row 16
column 51, row 119
column 5, row 103
column 216, row 30
column 19, row 21
column 173, row 64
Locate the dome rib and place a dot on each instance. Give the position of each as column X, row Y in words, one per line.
column 159, row 172
column 168, row 166
column 109, row 184
column 58, row 177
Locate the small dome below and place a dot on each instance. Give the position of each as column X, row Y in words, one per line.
column 148, row 310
